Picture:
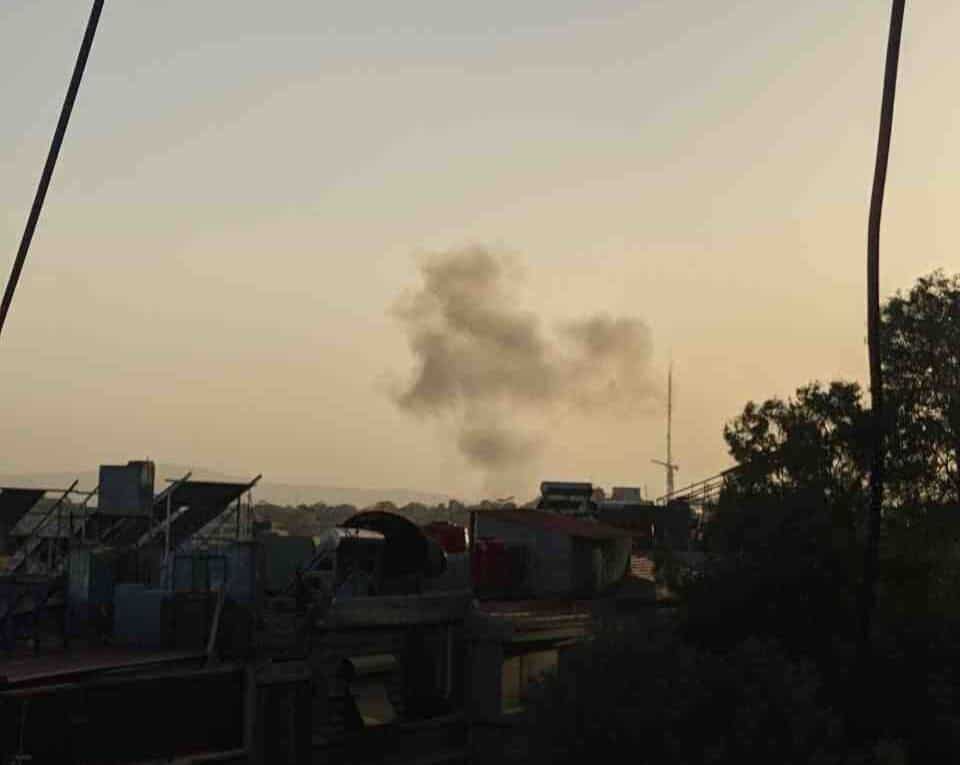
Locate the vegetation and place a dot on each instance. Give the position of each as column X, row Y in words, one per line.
column 666, row 701
column 921, row 359
column 759, row 663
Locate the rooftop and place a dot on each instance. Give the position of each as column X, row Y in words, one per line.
column 564, row 524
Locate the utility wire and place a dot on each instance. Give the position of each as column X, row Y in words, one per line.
column 868, row 592
column 51, row 161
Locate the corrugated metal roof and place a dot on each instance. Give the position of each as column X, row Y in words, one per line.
column 194, row 504
column 80, row 662
column 564, row 524
column 407, row 549
column 206, row 500
column 215, row 494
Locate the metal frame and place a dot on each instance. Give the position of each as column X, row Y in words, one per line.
column 35, row 538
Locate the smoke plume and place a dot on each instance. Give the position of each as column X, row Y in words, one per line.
column 489, row 367
column 494, row 446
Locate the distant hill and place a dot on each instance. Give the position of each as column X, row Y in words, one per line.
column 274, row 493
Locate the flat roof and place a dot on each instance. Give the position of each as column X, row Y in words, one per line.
column 579, row 488
column 563, row 524
column 63, row 666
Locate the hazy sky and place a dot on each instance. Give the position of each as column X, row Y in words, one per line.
column 245, row 186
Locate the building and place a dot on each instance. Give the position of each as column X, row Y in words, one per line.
column 510, row 647
column 627, row 511
column 562, row 556
column 631, row 494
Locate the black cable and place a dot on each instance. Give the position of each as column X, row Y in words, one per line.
column 51, row 161
column 868, row 586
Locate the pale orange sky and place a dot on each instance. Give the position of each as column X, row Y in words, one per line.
column 244, row 187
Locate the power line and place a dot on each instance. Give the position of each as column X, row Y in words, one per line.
column 51, row 161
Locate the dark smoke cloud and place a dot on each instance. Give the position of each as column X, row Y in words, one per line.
column 471, row 343
column 609, row 366
column 494, row 446
column 490, row 366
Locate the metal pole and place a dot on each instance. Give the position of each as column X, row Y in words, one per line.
column 59, row 541
column 51, row 162
column 868, row 591
column 166, row 554
column 38, row 529
column 249, row 493
column 85, row 506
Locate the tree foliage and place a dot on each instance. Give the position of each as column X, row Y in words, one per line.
column 921, row 360
column 817, row 442
column 760, row 665
column 659, row 700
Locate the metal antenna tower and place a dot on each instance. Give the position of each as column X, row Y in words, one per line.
column 668, row 465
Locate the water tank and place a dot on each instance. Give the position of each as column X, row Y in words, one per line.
column 126, row 490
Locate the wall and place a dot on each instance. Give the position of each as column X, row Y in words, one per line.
column 550, row 568
column 456, row 577
column 521, row 671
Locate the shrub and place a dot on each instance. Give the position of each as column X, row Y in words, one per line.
column 664, row 701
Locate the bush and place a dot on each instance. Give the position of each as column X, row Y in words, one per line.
column 664, row 701
column 791, row 577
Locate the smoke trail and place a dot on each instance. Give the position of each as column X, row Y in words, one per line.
column 489, row 367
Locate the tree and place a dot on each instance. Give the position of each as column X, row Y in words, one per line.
column 921, row 360
column 786, row 526
column 814, row 443
column 657, row 700
column 820, row 439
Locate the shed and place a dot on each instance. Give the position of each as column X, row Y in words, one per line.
column 565, row 555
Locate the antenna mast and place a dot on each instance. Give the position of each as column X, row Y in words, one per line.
column 668, row 465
